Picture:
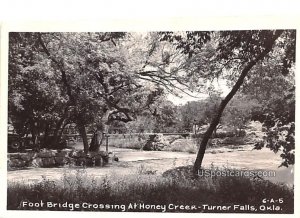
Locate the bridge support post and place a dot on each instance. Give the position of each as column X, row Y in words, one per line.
column 106, row 142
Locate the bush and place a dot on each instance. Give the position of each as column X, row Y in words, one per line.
column 131, row 143
column 183, row 145
column 223, row 134
column 233, row 141
column 172, row 138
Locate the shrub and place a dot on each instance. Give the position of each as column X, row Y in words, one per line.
column 132, row 143
column 172, row 138
column 183, row 145
column 233, row 140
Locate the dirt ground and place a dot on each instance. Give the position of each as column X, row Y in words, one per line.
column 130, row 161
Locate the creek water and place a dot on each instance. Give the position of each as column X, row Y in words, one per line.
column 130, row 161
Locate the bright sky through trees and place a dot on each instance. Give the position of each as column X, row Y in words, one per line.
column 219, row 86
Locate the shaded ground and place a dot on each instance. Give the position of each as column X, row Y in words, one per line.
column 132, row 161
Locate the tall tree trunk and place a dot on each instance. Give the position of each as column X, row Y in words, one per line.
column 224, row 102
column 46, row 133
column 61, row 131
column 73, row 99
column 34, row 134
column 96, row 140
column 60, row 125
column 98, row 136
column 82, row 132
column 56, row 134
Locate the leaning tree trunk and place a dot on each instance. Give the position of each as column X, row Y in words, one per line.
column 207, row 135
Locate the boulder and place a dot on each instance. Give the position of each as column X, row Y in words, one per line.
column 48, row 162
column 37, row 162
column 103, row 153
column 89, row 162
column 98, row 161
column 105, row 160
column 13, row 155
column 16, row 163
column 61, row 161
column 44, row 162
column 155, row 142
column 27, row 157
column 63, row 153
column 94, row 154
column 77, row 153
column 81, row 161
column 115, row 158
column 46, row 153
column 108, row 158
column 53, row 158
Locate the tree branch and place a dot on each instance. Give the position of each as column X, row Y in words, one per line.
column 60, row 67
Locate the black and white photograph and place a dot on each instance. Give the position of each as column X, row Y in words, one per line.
column 189, row 121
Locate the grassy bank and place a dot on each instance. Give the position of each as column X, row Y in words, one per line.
column 175, row 187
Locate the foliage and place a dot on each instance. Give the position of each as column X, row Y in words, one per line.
column 131, row 142
column 273, row 86
column 238, row 112
column 143, row 123
column 97, row 77
column 165, row 116
column 199, row 112
column 279, row 120
column 35, row 100
column 183, row 145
